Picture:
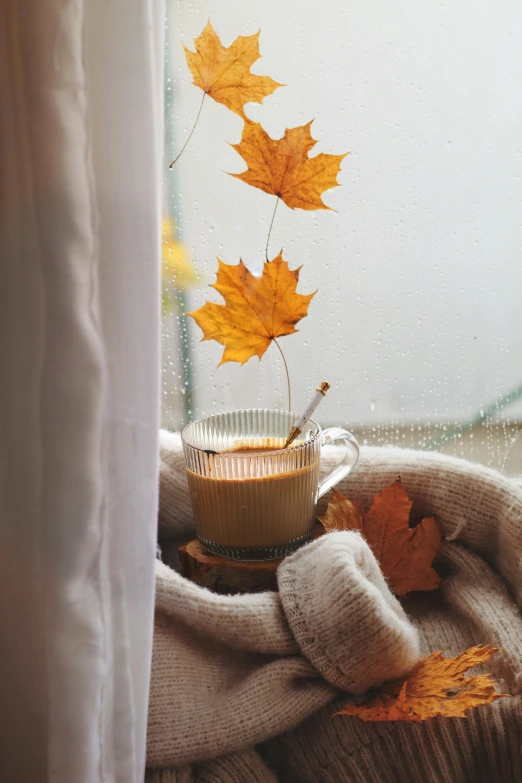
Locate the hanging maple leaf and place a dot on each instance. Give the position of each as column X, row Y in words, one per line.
column 436, row 686
column 405, row 553
column 224, row 73
column 257, row 309
column 283, row 168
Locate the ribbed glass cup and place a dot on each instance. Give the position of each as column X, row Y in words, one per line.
column 257, row 506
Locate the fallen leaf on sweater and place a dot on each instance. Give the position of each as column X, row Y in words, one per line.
column 436, row 686
column 224, row 73
column 258, row 309
column 283, row 168
column 405, row 553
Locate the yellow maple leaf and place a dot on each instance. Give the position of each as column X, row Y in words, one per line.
column 436, row 686
column 405, row 553
column 283, row 168
column 224, row 73
column 257, row 309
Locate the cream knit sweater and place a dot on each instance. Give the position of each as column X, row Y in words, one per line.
column 243, row 687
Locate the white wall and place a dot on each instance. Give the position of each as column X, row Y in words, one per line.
column 419, row 311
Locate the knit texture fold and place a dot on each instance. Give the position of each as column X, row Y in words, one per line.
column 243, row 688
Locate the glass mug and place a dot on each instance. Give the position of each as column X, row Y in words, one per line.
column 252, row 499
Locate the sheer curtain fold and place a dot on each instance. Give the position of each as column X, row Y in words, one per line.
column 80, row 184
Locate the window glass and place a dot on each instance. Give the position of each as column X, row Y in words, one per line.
column 417, row 320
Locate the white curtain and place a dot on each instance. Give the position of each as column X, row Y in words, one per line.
column 80, row 181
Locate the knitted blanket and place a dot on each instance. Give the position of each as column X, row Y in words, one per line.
column 243, row 688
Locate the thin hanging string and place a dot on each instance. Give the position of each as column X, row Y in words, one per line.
column 287, row 375
column 178, row 156
column 270, row 231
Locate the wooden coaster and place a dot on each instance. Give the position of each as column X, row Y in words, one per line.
column 228, row 577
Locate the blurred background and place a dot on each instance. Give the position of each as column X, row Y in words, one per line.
column 417, row 322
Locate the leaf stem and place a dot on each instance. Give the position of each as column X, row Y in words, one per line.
column 178, row 156
column 287, row 375
column 270, row 231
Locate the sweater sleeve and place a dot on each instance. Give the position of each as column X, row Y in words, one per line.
column 175, row 510
column 343, row 616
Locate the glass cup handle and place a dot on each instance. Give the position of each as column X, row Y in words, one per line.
column 348, row 462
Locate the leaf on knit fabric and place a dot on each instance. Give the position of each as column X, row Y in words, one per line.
column 436, row 686
column 283, row 168
column 405, row 553
column 258, row 309
column 224, row 73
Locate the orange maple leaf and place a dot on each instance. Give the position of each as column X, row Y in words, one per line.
column 436, row 686
column 405, row 553
column 257, row 309
column 283, row 168
column 224, row 73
